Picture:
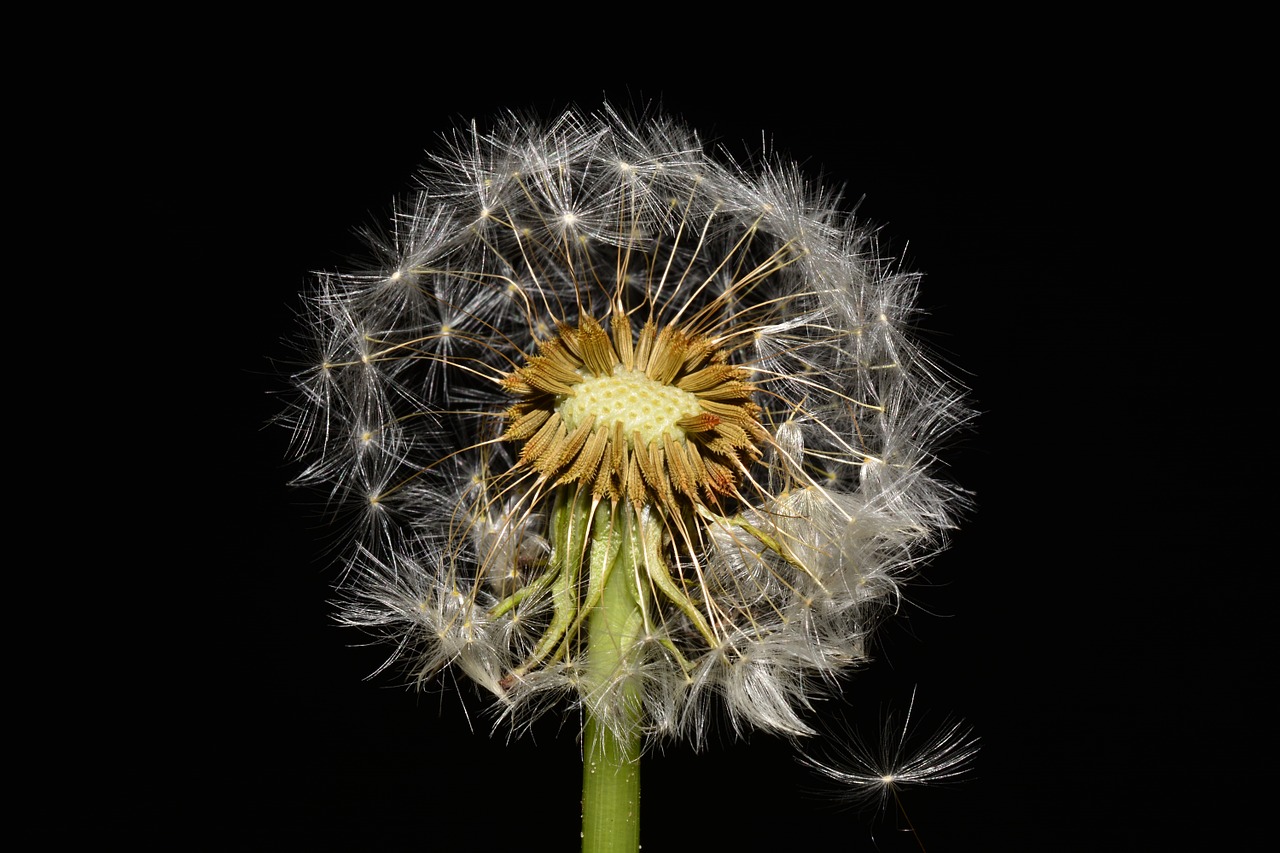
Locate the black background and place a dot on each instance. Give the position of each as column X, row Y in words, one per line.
column 1028, row 627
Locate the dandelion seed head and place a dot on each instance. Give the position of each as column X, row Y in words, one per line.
column 591, row 343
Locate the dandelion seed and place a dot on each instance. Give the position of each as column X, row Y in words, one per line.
column 871, row 774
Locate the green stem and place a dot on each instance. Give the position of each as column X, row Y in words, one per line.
column 612, row 740
column 610, row 791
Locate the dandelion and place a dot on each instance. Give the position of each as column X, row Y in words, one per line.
column 625, row 428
